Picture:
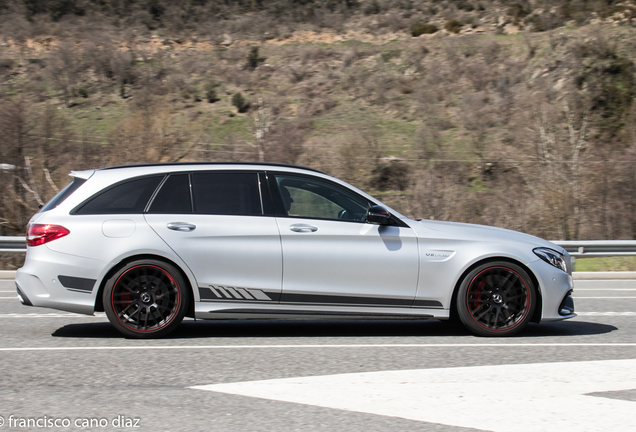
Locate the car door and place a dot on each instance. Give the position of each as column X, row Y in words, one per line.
column 217, row 224
column 331, row 255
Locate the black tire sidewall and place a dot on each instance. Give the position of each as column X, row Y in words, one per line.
column 147, row 334
column 466, row 317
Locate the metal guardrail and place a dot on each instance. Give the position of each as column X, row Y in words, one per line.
column 577, row 248
column 13, row 244
column 598, row 248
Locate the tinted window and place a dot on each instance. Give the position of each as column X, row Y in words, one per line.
column 63, row 194
column 311, row 198
column 226, row 193
column 124, row 198
column 174, row 196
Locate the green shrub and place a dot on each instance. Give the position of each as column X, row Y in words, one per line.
column 537, row 22
column 82, row 92
column 518, row 11
column 423, row 28
column 453, row 26
column 253, row 58
column 373, row 8
column 210, row 93
column 240, row 103
column 6, row 64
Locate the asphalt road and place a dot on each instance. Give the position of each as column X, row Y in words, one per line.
column 322, row 375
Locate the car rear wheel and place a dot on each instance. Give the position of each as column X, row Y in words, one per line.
column 496, row 299
column 146, row 299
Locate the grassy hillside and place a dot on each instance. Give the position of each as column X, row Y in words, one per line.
column 504, row 113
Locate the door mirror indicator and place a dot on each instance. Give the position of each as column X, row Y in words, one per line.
column 378, row 215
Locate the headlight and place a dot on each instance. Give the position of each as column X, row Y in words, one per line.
column 552, row 257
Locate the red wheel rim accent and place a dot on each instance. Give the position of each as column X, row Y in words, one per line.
column 498, row 299
column 145, row 298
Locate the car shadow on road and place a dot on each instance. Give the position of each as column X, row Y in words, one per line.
column 330, row 328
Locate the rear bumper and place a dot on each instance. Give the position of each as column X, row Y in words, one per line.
column 22, row 296
column 43, row 281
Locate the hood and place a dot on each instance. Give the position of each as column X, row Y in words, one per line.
column 471, row 232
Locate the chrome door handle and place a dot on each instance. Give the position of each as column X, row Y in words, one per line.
column 181, row 226
column 303, row 228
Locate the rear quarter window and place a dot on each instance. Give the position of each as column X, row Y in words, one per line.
column 128, row 197
column 63, row 194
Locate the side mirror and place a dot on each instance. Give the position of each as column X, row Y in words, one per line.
column 378, row 215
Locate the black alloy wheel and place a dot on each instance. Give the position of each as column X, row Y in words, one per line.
column 146, row 299
column 496, row 299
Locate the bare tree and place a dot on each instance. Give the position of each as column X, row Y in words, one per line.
column 64, row 69
column 16, row 136
column 560, row 157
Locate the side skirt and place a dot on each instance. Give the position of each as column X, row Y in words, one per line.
column 209, row 310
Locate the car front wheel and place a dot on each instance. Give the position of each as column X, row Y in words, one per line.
column 496, row 299
column 146, row 299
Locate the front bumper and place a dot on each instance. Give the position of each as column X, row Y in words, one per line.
column 556, row 291
column 567, row 305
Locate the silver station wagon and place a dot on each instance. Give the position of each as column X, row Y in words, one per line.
column 151, row 244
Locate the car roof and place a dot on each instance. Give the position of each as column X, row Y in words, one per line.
column 185, row 164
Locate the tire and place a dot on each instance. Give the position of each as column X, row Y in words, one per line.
column 496, row 299
column 146, row 299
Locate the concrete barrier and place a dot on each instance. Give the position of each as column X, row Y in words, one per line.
column 7, row 274
column 604, row 275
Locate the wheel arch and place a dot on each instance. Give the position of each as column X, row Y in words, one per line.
column 99, row 305
column 536, row 317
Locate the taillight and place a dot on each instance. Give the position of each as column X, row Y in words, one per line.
column 38, row 234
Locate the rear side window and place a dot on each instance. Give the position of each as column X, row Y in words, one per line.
column 63, row 194
column 129, row 197
column 173, row 197
column 226, row 194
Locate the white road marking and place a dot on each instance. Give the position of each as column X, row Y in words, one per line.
column 606, row 313
column 534, row 397
column 226, row 347
column 51, row 315
column 598, row 289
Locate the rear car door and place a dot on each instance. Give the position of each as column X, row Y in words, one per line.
column 218, row 224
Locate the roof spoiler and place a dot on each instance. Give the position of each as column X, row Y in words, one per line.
column 82, row 174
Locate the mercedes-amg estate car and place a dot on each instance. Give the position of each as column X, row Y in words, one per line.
column 151, row 244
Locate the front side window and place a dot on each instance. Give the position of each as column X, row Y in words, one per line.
column 129, row 197
column 306, row 197
column 222, row 193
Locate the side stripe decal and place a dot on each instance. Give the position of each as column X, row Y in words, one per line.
column 232, row 293
column 221, row 293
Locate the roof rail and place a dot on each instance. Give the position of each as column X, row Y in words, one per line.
column 267, row 164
